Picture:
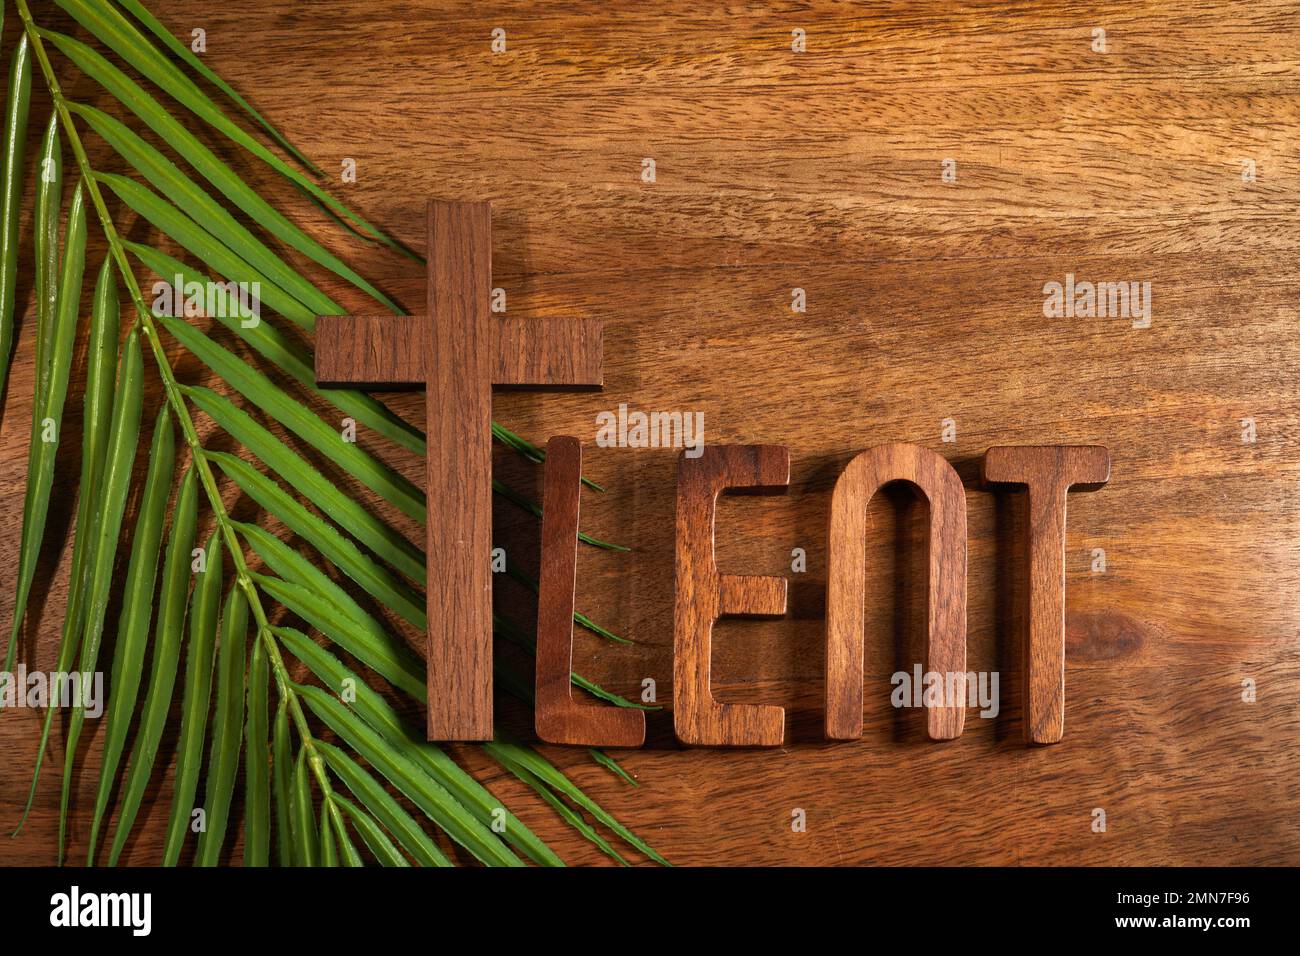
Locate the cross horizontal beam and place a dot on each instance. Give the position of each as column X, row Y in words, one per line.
column 388, row 352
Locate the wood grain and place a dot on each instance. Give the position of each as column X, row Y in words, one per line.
column 1047, row 473
column 846, row 570
column 371, row 351
column 703, row 595
column 822, row 171
column 387, row 351
column 555, row 353
column 559, row 719
column 458, row 470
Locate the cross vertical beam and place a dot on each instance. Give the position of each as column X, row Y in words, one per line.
column 458, row 403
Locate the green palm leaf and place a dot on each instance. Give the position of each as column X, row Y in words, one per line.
column 388, row 811
column 511, row 754
column 433, row 760
column 372, row 834
column 187, row 194
column 376, row 580
column 131, row 95
column 371, row 531
column 227, row 728
column 281, row 784
column 347, row 557
column 137, row 612
column 172, row 605
column 257, row 763
column 347, row 849
column 382, row 563
column 119, row 456
column 300, row 420
column 11, row 171
column 117, row 33
column 567, row 813
column 152, row 24
column 386, row 656
column 45, row 247
column 295, row 416
column 288, row 356
column 174, row 223
column 199, row 241
column 101, row 360
column 406, row 776
column 55, row 341
column 196, row 698
column 307, row 850
column 328, row 846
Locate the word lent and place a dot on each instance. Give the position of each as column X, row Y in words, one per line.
column 459, row 351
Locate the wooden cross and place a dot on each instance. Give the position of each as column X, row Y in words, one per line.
column 458, row 351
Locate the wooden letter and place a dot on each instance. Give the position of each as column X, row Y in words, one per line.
column 458, row 351
column 846, row 583
column 704, row 595
column 559, row 719
column 1048, row 472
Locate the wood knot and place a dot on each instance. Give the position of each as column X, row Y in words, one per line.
column 1103, row 635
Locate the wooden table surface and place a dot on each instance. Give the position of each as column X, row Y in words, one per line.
column 822, row 170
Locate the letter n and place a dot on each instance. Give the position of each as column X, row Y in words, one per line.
column 846, row 583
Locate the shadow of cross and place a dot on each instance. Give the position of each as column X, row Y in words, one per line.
column 458, row 351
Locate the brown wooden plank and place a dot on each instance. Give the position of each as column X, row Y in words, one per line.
column 923, row 302
column 703, row 595
column 559, row 719
column 370, row 351
column 846, row 574
column 1048, row 473
column 539, row 353
column 458, row 401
